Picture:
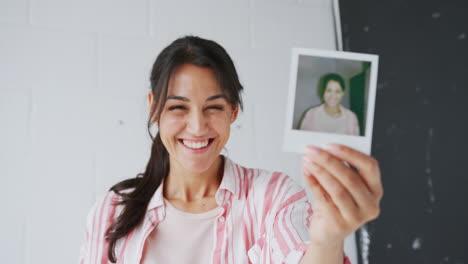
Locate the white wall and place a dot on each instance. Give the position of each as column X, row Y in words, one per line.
column 73, row 83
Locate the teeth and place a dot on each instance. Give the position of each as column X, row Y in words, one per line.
column 195, row 145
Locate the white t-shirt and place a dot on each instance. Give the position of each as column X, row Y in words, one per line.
column 182, row 237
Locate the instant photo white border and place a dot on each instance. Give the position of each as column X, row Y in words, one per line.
column 337, row 21
column 297, row 140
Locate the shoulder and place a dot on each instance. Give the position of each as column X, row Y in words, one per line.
column 276, row 182
column 272, row 190
column 262, row 179
column 349, row 113
column 307, row 118
column 313, row 109
column 101, row 204
column 110, row 199
column 105, row 209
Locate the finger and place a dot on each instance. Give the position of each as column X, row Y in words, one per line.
column 368, row 166
column 322, row 200
column 337, row 192
column 349, row 178
column 314, row 185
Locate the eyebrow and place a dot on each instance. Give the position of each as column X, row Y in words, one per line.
column 185, row 99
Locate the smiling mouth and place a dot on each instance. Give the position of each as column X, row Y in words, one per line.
column 198, row 145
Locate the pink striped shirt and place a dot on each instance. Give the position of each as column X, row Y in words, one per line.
column 265, row 219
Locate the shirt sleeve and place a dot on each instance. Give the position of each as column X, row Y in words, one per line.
column 94, row 246
column 288, row 237
column 85, row 244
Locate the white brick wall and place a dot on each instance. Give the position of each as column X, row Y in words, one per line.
column 73, row 83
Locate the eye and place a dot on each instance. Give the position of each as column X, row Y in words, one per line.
column 177, row 107
column 217, row 107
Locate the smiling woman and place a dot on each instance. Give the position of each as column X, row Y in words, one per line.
column 193, row 205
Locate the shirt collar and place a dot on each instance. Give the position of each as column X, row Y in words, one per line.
column 227, row 183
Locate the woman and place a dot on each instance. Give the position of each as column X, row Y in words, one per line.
column 331, row 116
column 193, row 205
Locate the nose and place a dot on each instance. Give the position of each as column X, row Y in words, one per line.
column 197, row 123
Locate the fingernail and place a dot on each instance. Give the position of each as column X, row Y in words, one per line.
column 312, row 150
column 332, row 147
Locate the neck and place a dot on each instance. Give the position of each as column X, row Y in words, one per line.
column 332, row 110
column 188, row 186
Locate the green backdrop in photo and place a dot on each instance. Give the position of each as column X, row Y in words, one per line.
column 357, row 99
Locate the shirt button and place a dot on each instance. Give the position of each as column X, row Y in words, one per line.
column 221, row 219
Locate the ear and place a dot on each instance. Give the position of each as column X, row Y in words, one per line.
column 150, row 98
column 234, row 113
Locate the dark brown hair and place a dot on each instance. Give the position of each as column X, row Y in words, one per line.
column 186, row 50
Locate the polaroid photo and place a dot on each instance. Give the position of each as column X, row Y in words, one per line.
column 331, row 99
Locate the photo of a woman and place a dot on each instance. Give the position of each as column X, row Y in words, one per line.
column 331, row 116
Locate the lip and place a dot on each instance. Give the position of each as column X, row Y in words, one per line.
column 198, row 151
column 195, row 140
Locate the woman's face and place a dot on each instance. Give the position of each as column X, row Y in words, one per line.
column 333, row 93
column 195, row 122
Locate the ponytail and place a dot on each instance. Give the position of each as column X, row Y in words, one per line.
column 136, row 201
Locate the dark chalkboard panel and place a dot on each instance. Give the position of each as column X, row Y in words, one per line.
column 421, row 125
